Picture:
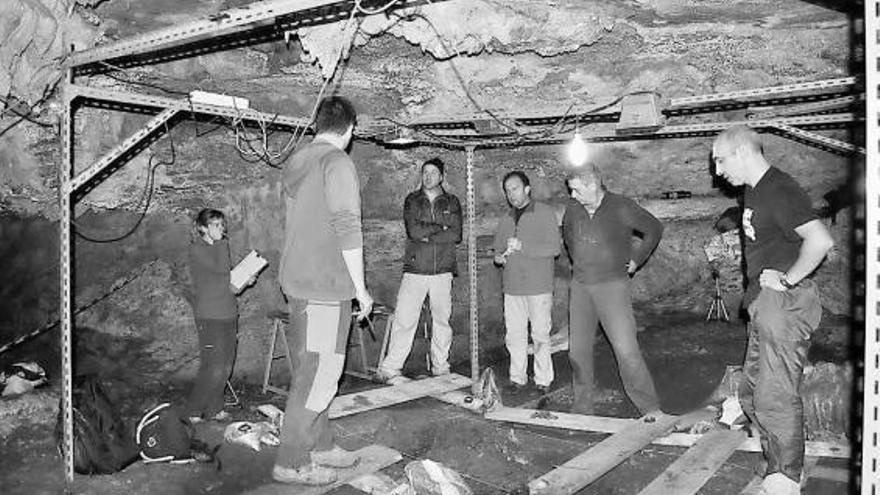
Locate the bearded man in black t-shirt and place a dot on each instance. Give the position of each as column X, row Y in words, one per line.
column 783, row 243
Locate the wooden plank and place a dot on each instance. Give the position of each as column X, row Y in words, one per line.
column 587, row 467
column 602, row 424
column 346, row 405
column 692, row 470
column 837, row 474
column 372, row 459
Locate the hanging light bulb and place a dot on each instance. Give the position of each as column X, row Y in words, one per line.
column 578, row 151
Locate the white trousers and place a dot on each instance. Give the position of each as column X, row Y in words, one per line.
column 518, row 312
column 413, row 289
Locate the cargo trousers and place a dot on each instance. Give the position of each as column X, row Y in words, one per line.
column 780, row 327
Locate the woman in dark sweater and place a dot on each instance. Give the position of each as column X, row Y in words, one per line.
column 216, row 315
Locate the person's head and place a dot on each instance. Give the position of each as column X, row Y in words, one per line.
column 210, row 225
column 586, row 185
column 517, row 188
column 336, row 115
column 432, row 174
column 738, row 155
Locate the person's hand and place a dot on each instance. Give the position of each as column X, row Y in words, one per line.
column 631, row 267
column 251, row 281
column 365, row 301
column 513, row 245
column 771, row 279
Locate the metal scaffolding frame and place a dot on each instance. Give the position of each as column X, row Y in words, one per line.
column 789, row 110
column 867, row 236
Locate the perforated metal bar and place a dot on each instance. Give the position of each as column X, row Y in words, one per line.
column 665, row 132
column 65, row 207
column 122, row 149
column 219, row 23
column 805, row 108
column 870, row 385
column 185, row 105
column 473, row 286
column 820, row 139
column 758, row 92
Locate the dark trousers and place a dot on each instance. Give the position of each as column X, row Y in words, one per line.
column 317, row 335
column 217, row 340
column 609, row 303
column 779, row 336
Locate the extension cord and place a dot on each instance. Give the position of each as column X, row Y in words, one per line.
column 219, row 100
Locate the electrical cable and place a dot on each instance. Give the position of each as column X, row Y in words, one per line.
column 146, row 198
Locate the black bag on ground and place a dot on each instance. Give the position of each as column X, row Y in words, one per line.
column 165, row 435
column 102, row 444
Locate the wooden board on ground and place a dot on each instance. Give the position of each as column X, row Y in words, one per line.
column 587, row 467
column 373, row 458
column 692, row 470
column 602, row 424
column 345, row 405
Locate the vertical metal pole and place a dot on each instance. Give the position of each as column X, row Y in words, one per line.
column 871, row 382
column 66, row 259
column 472, row 272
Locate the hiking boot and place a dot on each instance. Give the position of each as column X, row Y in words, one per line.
column 514, row 388
column 304, row 475
column 337, row 457
column 543, row 389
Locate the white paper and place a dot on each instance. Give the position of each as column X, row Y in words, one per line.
column 249, row 266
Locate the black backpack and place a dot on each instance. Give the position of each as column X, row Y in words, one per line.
column 102, row 444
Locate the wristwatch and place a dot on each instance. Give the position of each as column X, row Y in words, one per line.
column 785, row 283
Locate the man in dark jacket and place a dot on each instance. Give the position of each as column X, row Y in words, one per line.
column 597, row 228
column 433, row 227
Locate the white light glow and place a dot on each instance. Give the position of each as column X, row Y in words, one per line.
column 578, row 151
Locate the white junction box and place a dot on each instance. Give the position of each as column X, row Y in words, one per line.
column 219, row 100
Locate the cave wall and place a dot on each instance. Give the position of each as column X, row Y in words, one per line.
column 519, row 57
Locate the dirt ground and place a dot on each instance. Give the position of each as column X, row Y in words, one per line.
column 686, row 354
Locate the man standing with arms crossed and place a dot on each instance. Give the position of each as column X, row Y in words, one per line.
column 526, row 242
column 321, row 270
column 432, row 218
column 783, row 242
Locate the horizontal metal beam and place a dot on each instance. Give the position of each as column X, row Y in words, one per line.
column 220, row 23
column 824, row 84
column 134, row 141
column 825, row 141
column 185, row 105
column 805, row 108
column 265, row 19
column 441, row 138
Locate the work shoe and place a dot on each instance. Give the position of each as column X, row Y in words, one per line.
column 514, row 388
column 337, row 457
column 304, row 475
column 221, row 416
column 779, row 484
column 543, row 389
column 390, row 378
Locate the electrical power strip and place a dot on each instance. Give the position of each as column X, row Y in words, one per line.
column 219, row 100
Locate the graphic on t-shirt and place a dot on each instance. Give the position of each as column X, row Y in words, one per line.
column 748, row 229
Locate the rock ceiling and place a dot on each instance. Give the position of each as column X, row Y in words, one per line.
column 455, row 57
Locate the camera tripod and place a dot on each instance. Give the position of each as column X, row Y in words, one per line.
column 717, row 305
